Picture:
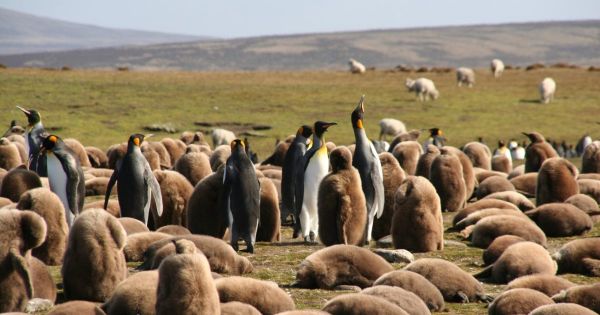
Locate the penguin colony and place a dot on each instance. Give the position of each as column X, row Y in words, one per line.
column 180, row 203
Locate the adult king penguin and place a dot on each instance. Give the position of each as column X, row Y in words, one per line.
column 34, row 136
column 366, row 161
column 65, row 175
column 316, row 166
column 292, row 165
column 136, row 183
column 241, row 196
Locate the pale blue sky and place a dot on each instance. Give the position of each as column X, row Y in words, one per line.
column 242, row 18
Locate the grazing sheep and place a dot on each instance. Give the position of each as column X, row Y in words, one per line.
column 465, row 76
column 356, row 67
column 488, row 229
column 176, row 191
column 408, row 301
column 96, row 157
column 557, row 181
column 9, row 154
column 560, row 219
column 390, row 127
column 194, row 166
column 547, row 284
column 136, row 295
column 423, row 88
column 415, row 283
column 547, row 90
column 222, row 137
column 17, row 181
column 498, row 246
column 408, row 153
column 265, row 296
column 584, row 295
column 518, row 301
column 581, row 256
column 497, row 67
column 393, row 176
column 358, row 304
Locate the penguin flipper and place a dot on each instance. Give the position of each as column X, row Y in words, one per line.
column 225, row 208
column 377, row 180
column 153, row 188
column 109, row 186
column 73, row 180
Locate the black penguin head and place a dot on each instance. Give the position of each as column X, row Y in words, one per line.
column 304, row 131
column 435, row 132
column 33, row 116
column 501, row 144
column 358, row 113
column 535, row 137
column 321, row 127
column 50, row 143
column 238, row 145
column 136, row 139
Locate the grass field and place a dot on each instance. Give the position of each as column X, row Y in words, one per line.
column 103, row 107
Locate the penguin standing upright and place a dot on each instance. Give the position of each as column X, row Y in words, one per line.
column 241, row 196
column 65, row 175
column 289, row 172
column 366, row 161
column 136, row 183
column 316, row 166
column 537, row 151
column 34, row 136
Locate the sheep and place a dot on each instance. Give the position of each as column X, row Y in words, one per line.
column 497, row 67
column 222, row 136
column 356, row 67
column 390, row 127
column 465, row 76
column 423, row 88
column 547, row 89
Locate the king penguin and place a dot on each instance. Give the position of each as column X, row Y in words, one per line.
column 316, row 166
column 366, row 161
column 136, row 183
column 292, row 164
column 241, row 196
column 34, row 136
column 65, row 175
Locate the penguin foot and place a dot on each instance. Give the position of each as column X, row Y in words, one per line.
column 249, row 249
column 311, row 235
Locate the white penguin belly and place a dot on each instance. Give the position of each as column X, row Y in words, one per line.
column 315, row 172
column 58, row 183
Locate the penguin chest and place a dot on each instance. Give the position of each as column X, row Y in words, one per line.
column 57, row 178
column 315, row 171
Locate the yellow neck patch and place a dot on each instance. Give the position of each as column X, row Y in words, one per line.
column 359, row 124
column 136, row 141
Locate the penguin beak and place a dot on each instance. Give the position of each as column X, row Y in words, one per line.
column 525, row 133
column 327, row 125
column 24, row 110
column 361, row 104
column 148, row 135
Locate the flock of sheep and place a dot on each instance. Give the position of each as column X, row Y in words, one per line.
column 425, row 88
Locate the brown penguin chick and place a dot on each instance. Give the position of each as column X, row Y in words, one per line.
column 501, row 163
column 557, row 181
column 482, row 204
column 17, row 181
column 21, row 231
column 393, row 176
column 196, row 148
column 189, row 137
column 587, row 204
column 408, row 301
column 47, row 204
column 194, row 166
column 517, row 171
column 181, row 246
column 590, row 187
column 518, row 301
column 518, row 260
column 493, row 184
column 526, row 183
column 186, row 286
column 278, row 155
column 203, row 215
column 479, row 154
column 562, row 309
column 338, row 265
column 407, row 153
column 467, row 168
column 547, row 284
column 5, row 202
column 78, row 151
column 132, row 225
column 163, row 154
column 96, row 157
column 176, row 191
column 560, row 219
column 537, row 152
column 76, row 308
column 21, row 149
column 513, row 197
column 477, row 216
column 415, row 283
column 417, row 224
column 498, row 246
column 487, row 229
column 302, row 312
column 113, row 207
column 272, row 172
column 446, row 176
column 175, row 148
column 138, row 243
column 114, row 153
column 238, row 308
column 94, row 262
column 330, row 147
column 174, row 230
column 425, row 161
column 97, row 187
column 590, row 160
column 265, row 296
column 455, row 284
column 584, row 295
column 356, row 304
column 136, row 295
column 581, row 256
column 9, row 154
column 99, row 172
column 481, row 174
column 270, row 218
column 152, row 157
column 412, row 135
column 342, row 206
column 43, row 284
column 219, row 156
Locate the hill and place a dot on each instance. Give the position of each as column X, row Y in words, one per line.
column 548, row 42
column 26, row 33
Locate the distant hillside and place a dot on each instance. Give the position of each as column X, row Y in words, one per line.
column 23, row 33
column 548, row 42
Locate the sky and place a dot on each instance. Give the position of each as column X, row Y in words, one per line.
column 245, row 18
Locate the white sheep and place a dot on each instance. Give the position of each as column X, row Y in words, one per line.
column 356, row 67
column 465, row 76
column 391, row 127
column 424, row 88
column 497, row 67
column 547, row 89
column 222, row 136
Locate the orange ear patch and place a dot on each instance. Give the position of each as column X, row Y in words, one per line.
column 359, row 124
column 136, row 141
column 52, row 139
